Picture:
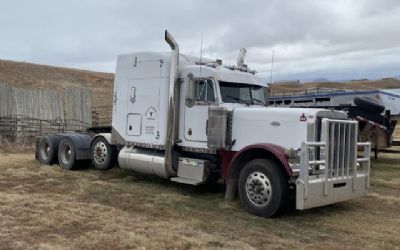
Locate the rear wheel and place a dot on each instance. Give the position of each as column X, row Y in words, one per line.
column 103, row 154
column 263, row 188
column 48, row 149
column 67, row 155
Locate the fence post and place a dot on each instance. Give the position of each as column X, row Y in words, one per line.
column 40, row 127
column 18, row 130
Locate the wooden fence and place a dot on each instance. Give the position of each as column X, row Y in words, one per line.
column 101, row 115
column 41, row 104
column 32, row 112
column 66, row 104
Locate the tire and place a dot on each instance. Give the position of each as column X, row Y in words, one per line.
column 67, row 154
column 369, row 105
column 263, row 188
column 102, row 154
column 47, row 150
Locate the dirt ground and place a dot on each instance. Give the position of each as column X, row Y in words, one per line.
column 48, row 208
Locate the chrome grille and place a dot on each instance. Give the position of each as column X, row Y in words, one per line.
column 339, row 174
column 341, row 147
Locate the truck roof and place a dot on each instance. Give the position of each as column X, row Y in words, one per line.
column 221, row 73
column 207, row 68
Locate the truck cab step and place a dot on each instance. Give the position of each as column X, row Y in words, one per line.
column 186, row 181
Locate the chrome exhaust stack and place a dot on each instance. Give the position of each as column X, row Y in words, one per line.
column 240, row 58
column 171, row 123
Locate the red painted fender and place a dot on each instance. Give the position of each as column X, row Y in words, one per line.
column 270, row 149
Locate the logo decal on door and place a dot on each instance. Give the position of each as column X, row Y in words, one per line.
column 303, row 118
column 132, row 96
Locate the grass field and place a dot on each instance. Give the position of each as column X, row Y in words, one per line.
column 49, row 208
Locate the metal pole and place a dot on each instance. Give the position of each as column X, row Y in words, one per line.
column 272, row 66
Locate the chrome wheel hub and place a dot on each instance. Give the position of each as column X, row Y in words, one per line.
column 258, row 189
column 65, row 154
column 100, row 152
column 45, row 150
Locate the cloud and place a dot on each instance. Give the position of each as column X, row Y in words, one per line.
column 311, row 38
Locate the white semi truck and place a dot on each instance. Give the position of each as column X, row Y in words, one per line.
column 196, row 121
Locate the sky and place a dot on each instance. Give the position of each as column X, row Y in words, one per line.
column 311, row 39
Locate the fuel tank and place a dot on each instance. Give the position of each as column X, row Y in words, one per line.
column 146, row 161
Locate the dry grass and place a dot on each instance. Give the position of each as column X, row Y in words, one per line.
column 46, row 207
column 25, row 144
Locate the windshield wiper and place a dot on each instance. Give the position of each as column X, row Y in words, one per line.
column 259, row 101
column 238, row 99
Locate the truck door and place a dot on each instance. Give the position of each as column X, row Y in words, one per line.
column 201, row 97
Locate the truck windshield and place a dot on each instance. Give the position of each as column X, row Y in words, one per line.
column 232, row 92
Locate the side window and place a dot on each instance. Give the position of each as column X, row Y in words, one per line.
column 202, row 90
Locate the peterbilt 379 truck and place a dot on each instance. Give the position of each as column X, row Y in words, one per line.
column 196, row 121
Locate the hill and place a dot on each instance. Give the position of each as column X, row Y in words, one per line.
column 321, row 80
column 28, row 75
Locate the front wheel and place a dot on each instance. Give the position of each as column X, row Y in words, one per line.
column 103, row 155
column 263, row 188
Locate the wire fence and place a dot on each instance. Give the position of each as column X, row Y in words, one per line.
column 18, row 127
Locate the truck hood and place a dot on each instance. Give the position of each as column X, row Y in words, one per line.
column 286, row 127
column 255, row 113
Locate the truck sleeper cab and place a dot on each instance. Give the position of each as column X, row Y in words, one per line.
column 195, row 122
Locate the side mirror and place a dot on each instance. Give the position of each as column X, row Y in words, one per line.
column 189, row 102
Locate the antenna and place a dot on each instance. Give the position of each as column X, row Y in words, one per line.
column 201, row 52
column 272, row 66
column 230, row 41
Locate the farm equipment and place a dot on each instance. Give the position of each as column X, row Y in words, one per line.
column 197, row 121
column 377, row 111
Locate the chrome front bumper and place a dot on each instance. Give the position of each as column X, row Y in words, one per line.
column 338, row 173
